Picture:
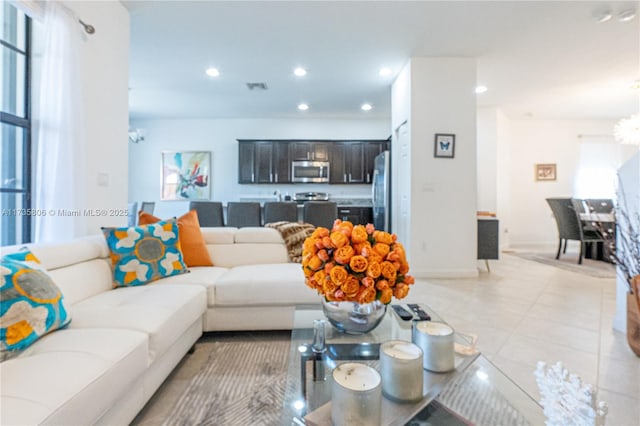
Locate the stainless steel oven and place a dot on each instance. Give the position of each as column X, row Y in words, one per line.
column 310, row 171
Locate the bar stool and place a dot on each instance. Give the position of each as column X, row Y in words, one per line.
column 242, row 214
column 320, row 213
column 209, row 213
column 276, row 211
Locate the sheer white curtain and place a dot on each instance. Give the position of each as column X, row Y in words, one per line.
column 60, row 160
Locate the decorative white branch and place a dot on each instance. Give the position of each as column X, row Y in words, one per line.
column 566, row 400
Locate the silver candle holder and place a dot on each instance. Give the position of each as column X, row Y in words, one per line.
column 356, row 395
column 401, row 371
column 436, row 340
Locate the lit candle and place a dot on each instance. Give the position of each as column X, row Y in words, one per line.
column 401, row 371
column 436, row 341
column 356, row 395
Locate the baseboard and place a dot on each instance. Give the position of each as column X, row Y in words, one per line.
column 444, row 273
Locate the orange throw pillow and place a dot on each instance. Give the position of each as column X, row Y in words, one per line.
column 192, row 243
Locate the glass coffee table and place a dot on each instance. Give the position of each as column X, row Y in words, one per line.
column 476, row 392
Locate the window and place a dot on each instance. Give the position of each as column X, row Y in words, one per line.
column 15, row 127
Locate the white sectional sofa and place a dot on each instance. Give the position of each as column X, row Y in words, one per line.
column 122, row 343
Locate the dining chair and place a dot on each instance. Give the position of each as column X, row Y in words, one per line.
column 242, row 214
column 277, row 211
column 132, row 214
column 567, row 214
column 148, row 206
column 209, row 213
column 320, row 213
column 599, row 205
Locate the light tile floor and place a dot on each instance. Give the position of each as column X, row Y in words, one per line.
column 524, row 312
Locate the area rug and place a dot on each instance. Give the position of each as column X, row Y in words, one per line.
column 233, row 379
column 592, row 268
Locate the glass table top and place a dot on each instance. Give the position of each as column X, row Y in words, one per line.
column 476, row 392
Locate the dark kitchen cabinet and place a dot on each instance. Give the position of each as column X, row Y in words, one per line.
column 263, row 162
column 281, row 163
column 263, row 165
column 269, row 161
column 371, row 151
column 356, row 215
column 309, row 151
column 352, row 162
column 246, row 160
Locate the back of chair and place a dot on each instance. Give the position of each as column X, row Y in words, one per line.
column 276, row 211
column 320, row 213
column 209, row 213
column 241, row 214
column 132, row 215
column 566, row 218
column 600, row 205
column 148, row 206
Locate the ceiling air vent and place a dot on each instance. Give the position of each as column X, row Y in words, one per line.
column 257, row 86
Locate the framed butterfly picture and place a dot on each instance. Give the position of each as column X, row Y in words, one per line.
column 445, row 145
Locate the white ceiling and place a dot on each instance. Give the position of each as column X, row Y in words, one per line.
column 539, row 59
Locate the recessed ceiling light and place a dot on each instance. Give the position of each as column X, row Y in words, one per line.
column 212, row 72
column 481, row 89
column 300, row 72
column 602, row 14
column 303, row 107
column 385, row 72
column 626, row 15
column 366, row 107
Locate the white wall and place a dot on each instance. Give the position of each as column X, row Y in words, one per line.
column 543, row 141
column 219, row 136
column 443, row 191
column 503, row 180
column 629, row 194
column 401, row 157
column 104, row 60
column 487, row 159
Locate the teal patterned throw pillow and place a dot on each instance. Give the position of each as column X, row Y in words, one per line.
column 31, row 305
column 143, row 254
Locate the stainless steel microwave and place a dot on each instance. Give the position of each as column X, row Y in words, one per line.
column 310, row 171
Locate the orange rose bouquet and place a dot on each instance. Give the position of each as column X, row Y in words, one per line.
column 355, row 264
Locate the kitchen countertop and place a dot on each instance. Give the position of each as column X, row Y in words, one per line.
column 342, row 201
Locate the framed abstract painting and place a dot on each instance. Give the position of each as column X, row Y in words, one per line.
column 185, row 175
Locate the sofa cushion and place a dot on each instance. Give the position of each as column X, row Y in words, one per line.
column 224, row 235
column 31, row 305
column 256, row 285
column 145, row 253
column 231, row 255
column 71, row 374
column 257, row 235
column 163, row 312
column 65, row 253
column 192, row 243
column 205, row 276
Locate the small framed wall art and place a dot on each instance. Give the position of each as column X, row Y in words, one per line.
column 185, row 175
column 545, row 172
column 445, row 145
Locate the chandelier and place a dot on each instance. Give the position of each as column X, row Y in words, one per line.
column 627, row 130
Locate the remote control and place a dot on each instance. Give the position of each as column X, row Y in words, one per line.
column 422, row 315
column 402, row 312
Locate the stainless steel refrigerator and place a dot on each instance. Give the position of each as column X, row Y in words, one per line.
column 381, row 192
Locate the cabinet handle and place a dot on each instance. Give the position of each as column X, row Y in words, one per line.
column 276, row 177
column 270, row 177
column 345, row 177
column 368, row 178
column 253, row 177
column 345, row 211
column 349, row 177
